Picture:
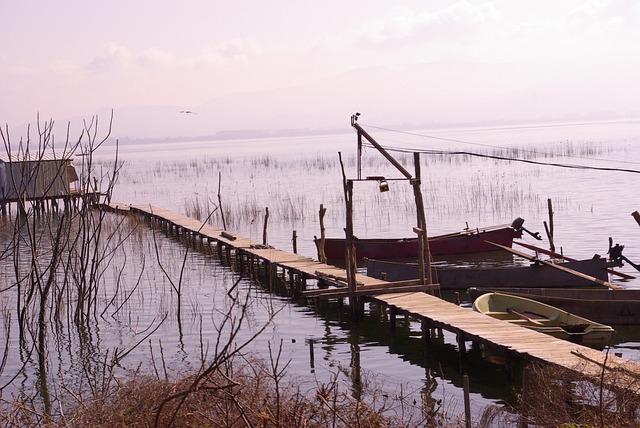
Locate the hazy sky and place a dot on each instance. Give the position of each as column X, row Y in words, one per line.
column 64, row 58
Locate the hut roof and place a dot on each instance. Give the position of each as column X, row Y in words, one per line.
column 34, row 157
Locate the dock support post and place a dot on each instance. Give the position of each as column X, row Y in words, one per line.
column 251, row 267
column 393, row 312
column 426, row 332
column 219, row 251
column 228, row 254
column 292, row 283
column 462, row 349
column 508, row 366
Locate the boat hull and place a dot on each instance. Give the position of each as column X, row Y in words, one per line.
column 545, row 319
column 612, row 307
column 465, row 242
column 462, row 277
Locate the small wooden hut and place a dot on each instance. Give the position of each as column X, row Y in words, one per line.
column 38, row 177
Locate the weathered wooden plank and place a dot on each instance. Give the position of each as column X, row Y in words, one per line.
column 361, row 291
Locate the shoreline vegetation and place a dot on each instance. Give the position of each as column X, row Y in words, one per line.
column 247, row 391
column 94, row 302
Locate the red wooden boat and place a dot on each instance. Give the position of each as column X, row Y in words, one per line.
column 463, row 242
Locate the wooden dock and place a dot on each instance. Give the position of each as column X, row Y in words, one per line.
column 433, row 312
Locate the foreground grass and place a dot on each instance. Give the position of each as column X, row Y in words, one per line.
column 255, row 396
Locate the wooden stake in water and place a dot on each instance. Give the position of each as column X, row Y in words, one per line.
column 264, row 229
column 549, row 228
column 467, row 401
column 294, row 239
column 321, row 254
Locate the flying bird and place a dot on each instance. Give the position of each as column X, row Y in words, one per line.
column 188, row 112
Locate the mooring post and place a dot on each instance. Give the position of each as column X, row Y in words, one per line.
column 322, row 258
column 549, row 228
column 311, row 355
column 425, row 257
column 294, row 239
column 264, row 228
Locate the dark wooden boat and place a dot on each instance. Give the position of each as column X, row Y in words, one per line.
column 545, row 319
column 463, row 277
column 613, row 307
column 463, row 242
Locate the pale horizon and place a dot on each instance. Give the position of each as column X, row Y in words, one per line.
column 289, row 64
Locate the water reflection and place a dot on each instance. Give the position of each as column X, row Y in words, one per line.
column 439, row 359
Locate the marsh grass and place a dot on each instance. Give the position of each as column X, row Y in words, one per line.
column 452, row 184
column 559, row 397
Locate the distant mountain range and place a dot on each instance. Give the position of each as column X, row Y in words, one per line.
column 411, row 96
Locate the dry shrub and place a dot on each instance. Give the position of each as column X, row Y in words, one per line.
column 557, row 397
column 256, row 396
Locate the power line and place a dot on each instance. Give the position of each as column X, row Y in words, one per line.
column 496, row 157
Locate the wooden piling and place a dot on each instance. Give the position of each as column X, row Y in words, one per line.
column 321, row 255
column 549, row 228
column 294, row 240
column 467, row 401
column 264, row 228
column 393, row 312
column 311, row 354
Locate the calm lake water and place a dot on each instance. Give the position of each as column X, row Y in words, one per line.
column 467, row 181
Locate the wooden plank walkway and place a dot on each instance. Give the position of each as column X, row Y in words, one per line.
column 523, row 342
column 431, row 310
column 287, row 260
